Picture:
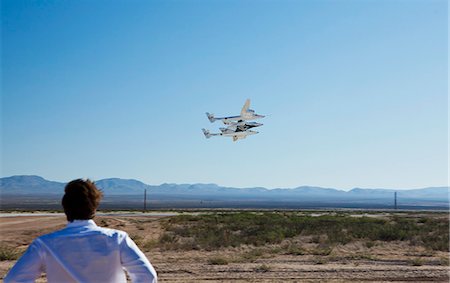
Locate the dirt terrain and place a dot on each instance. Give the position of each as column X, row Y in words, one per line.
column 393, row 261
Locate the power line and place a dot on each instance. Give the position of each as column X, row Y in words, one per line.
column 145, row 199
column 395, row 200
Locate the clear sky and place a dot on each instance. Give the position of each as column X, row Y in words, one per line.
column 355, row 92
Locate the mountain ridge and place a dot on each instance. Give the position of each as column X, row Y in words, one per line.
column 133, row 184
column 32, row 185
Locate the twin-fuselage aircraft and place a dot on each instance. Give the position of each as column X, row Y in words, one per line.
column 237, row 126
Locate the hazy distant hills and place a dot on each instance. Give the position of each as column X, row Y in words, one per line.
column 121, row 191
column 29, row 185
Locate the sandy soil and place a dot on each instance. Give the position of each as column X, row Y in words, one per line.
column 384, row 262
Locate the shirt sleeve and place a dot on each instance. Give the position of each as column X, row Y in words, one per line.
column 136, row 263
column 29, row 267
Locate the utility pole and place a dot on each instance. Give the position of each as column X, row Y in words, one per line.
column 145, row 200
column 395, row 200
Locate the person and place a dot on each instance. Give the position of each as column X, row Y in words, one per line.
column 83, row 251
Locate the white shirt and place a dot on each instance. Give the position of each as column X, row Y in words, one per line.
column 83, row 252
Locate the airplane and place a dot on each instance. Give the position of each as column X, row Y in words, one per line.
column 246, row 114
column 240, row 126
column 230, row 133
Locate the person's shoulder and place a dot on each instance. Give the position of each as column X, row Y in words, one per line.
column 50, row 235
column 94, row 229
column 112, row 235
column 112, row 232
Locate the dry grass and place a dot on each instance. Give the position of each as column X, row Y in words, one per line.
column 310, row 252
column 9, row 253
column 216, row 230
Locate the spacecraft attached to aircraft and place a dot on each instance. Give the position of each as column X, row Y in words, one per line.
column 237, row 127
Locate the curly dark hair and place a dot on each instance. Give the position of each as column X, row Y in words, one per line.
column 81, row 199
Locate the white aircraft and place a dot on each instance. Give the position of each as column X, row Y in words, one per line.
column 246, row 114
column 229, row 133
column 240, row 126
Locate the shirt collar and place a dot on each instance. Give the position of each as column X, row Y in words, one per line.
column 79, row 223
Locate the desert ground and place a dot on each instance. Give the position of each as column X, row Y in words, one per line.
column 301, row 258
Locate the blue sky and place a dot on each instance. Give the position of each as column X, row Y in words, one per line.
column 355, row 92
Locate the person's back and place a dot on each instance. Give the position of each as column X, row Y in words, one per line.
column 83, row 252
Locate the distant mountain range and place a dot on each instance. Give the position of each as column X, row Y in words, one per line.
column 131, row 191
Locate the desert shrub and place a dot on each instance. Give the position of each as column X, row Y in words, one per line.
column 148, row 245
column 8, row 253
column 322, row 251
column 275, row 250
column 416, row 261
column 359, row 256
column 233, row 229
column 218, row 261
column 262, row 268
column 436, row 242
column 444, row 261
column 316, row 239
column 320, row 260
column 167, row 238
column 339, row 236
column 295, row 250
column 137, row 239
column 212, row 231
column 251, row 255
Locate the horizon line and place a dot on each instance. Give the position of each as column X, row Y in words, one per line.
column 282, row 188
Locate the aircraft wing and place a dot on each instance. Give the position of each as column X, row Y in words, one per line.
column 235, row 138
column 245, row 107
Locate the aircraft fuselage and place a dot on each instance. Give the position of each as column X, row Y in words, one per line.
column 230, row 119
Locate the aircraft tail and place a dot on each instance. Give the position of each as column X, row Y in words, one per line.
column 211, row 117
column 206, row 133
column 246, row 107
